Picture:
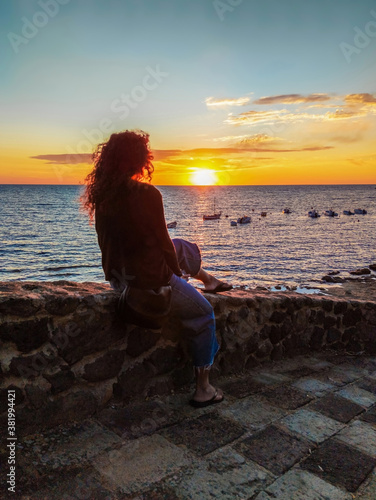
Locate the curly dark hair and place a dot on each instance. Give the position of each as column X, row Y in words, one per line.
column 125, row 156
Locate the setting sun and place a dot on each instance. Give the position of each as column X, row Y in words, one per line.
column 203, row 177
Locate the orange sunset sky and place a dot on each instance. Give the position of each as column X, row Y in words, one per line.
column 231, row 92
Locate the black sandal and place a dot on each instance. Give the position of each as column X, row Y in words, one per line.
column 202, row 404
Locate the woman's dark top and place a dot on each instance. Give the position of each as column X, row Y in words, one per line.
column 134, row 241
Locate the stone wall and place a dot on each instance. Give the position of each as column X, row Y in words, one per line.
column 66, row 354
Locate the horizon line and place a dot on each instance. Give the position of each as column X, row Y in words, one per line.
column 203, row 185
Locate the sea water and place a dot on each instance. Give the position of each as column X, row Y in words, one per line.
column 45, row 236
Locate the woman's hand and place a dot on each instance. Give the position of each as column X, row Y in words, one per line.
column 185, row 276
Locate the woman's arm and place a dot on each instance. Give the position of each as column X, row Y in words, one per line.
column 161, row 231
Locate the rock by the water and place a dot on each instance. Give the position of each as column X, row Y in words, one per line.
column 359, row 272
column 332, row 279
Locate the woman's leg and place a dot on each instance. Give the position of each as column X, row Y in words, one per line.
column 189, row 257
column 204, row 390
column 196, row 316
column 210, row 282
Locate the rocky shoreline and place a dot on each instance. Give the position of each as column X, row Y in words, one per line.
column 359, row 284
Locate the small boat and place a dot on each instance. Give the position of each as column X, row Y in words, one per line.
column 214, row 216
column 360, row 211
column 348, row 212
column 330, row 213
column 233, row 223
column 286, row 211
column 244, row 220
column 263, row 214
column 313, row 214
column 172, row 225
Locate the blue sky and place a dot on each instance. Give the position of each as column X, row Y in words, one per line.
column 66, row 78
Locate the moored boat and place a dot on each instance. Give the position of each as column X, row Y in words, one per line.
column 348, row 212
column 286, row 211
column 214, row 216
column 313, row 214
column 244, row 220
column 172, row 225
column 360, row 211
column 330, row 213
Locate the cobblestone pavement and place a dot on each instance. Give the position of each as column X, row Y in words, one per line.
column 304, row 428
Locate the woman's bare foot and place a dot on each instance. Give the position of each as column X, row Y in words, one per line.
column 211, row 283
column 212, row 397
column 207, row 394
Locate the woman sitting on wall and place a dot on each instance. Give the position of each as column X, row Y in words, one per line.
column 138, row 253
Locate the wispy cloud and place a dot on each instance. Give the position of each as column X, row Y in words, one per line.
column 259, row 143
column 363, row 160
column 250, row 140
column 213, row 102
column 64, row 159
column 343, row 114
column 283, row 116
column 74, row 159
column 363, row 99
column 292, row 99
column 351, row 106
column 238, row 151
column 273, row 116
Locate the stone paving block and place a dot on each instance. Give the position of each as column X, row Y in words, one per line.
column 274, row 448
column 27, row 474
column 339, row 464
column 311, row 425
column 361, row 435
column 291, row 366
column 349, row 374
column 140, row 463
column 253, row 413
column 337, row 358
column 137, row 420
column 270, row 378
column 158, row 491
column 368, row 384
column 205, row 433
column 228, row 476
column 75, row 484
column 286, row 397
column 240, row 388
column 336, row 407
column 358, row 370
column 301, row 485
column 369, row 416
column 368, row 364
column 71, row 445
column 358, row 396
column 302, row 371
column 367, row 491
column 313, row 386
column 338, row 376
column 319, row 365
